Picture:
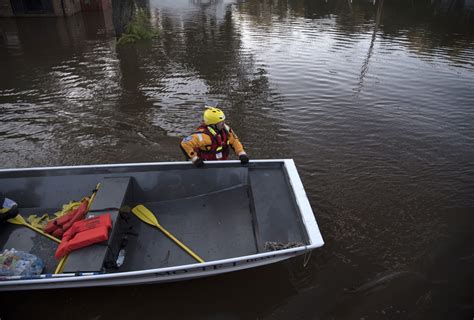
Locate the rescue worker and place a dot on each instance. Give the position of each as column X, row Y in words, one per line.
column 212, row 140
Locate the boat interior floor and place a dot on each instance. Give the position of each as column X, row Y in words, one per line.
column 214, row 226
column 227, row 213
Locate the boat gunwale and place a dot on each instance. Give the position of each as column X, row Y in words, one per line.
column 303, row 205
column 139, row 164
column 126, row 274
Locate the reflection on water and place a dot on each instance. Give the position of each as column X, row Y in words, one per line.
column 373, row 100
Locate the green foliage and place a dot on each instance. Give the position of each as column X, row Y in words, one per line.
column 139, row 28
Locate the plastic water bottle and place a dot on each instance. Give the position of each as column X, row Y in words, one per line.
column 120, row 258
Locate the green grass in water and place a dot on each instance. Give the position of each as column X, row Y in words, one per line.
column 139, row 28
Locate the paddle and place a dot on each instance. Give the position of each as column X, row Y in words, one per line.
column 18, row 219
column 148, row 217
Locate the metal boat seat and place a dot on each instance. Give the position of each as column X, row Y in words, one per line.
column 112, row 195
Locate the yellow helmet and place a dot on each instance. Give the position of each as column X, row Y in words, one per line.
column 213, row 115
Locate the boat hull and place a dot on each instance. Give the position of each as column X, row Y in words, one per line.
column 266, row 221
column 149, row 276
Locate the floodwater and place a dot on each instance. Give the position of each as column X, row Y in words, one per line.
column 373, row 100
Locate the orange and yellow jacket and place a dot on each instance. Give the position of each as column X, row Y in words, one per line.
column 208, row 144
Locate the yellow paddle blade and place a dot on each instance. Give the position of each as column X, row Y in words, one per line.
column 145, row 215
column 18, row 219
column 148, row 217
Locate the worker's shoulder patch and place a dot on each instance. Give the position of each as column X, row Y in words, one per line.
column 188, row 138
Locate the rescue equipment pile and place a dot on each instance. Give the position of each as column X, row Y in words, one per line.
column 75, row 232
column 73, row 229
column 58, row 226
column 84, row 233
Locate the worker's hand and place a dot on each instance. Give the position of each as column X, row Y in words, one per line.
column 244, row 159
column 199, row 163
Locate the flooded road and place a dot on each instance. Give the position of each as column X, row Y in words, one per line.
column 373, row 100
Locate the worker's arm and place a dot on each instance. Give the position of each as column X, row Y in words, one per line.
column 237, row 146
column 235, row 142
column 192, row 143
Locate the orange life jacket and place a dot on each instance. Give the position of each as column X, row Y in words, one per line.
column 85, row 233
column 58, row 226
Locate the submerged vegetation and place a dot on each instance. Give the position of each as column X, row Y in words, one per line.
column 139, row 28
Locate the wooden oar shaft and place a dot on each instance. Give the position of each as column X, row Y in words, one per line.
column 195, row 256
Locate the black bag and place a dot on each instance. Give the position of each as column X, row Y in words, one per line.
column 8, row 208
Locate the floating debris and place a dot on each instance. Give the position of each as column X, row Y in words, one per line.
column 273, row 246
column 138, row 28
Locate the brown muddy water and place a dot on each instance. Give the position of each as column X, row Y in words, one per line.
column 373, row 100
